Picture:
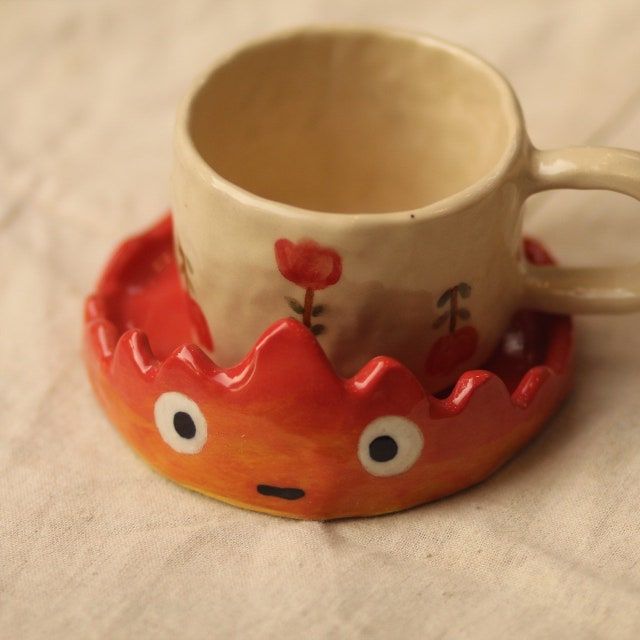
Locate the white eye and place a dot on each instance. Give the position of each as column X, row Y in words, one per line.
column 390, row 445
column 180, row 422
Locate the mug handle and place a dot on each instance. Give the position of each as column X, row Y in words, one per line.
column 584, row 289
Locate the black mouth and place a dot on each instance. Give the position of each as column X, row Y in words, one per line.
column 286, row 493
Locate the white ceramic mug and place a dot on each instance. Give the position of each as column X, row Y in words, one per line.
column 370, row 183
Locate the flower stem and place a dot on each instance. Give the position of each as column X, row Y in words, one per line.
column 453, row 315
column 308, row 307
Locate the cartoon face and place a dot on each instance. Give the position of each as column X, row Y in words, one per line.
column 274, row 471
column 387, row 446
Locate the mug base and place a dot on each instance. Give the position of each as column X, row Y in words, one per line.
column 288, row 427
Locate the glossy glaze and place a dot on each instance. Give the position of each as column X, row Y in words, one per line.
column 284, row 431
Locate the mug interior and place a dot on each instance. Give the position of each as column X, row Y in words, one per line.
column 352, row 121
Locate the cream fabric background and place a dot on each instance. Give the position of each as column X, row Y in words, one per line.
column 95, row 545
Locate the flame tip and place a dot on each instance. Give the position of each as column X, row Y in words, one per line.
column 133, row 350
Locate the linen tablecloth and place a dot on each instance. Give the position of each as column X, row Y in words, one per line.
column 93, row 544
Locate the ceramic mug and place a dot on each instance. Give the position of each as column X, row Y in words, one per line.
column 370, row 183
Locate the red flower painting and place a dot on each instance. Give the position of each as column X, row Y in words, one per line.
column 312, row 267
column 458, row 345
column 307, row 264
column 451, row 350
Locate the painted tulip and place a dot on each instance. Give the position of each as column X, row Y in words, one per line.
column 451, row 350
column 308, row 264
column 311, row 267
column 458, row 345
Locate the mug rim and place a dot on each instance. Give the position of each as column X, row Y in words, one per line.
column 464, row 198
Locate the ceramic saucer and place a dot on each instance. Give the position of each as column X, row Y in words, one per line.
column 280, row 432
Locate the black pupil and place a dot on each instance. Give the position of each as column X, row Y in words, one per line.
column 184, row 425
column 383, row 449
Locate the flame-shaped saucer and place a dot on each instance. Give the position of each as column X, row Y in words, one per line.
column 281, row 432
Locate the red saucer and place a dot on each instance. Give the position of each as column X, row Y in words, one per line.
column 280, row 432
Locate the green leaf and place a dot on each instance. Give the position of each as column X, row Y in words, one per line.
column 294, row 304
column 440, row 320
column 317, row 310
column 464, row 289
column 444, row 298
column 317, row 329
column 464, row 313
